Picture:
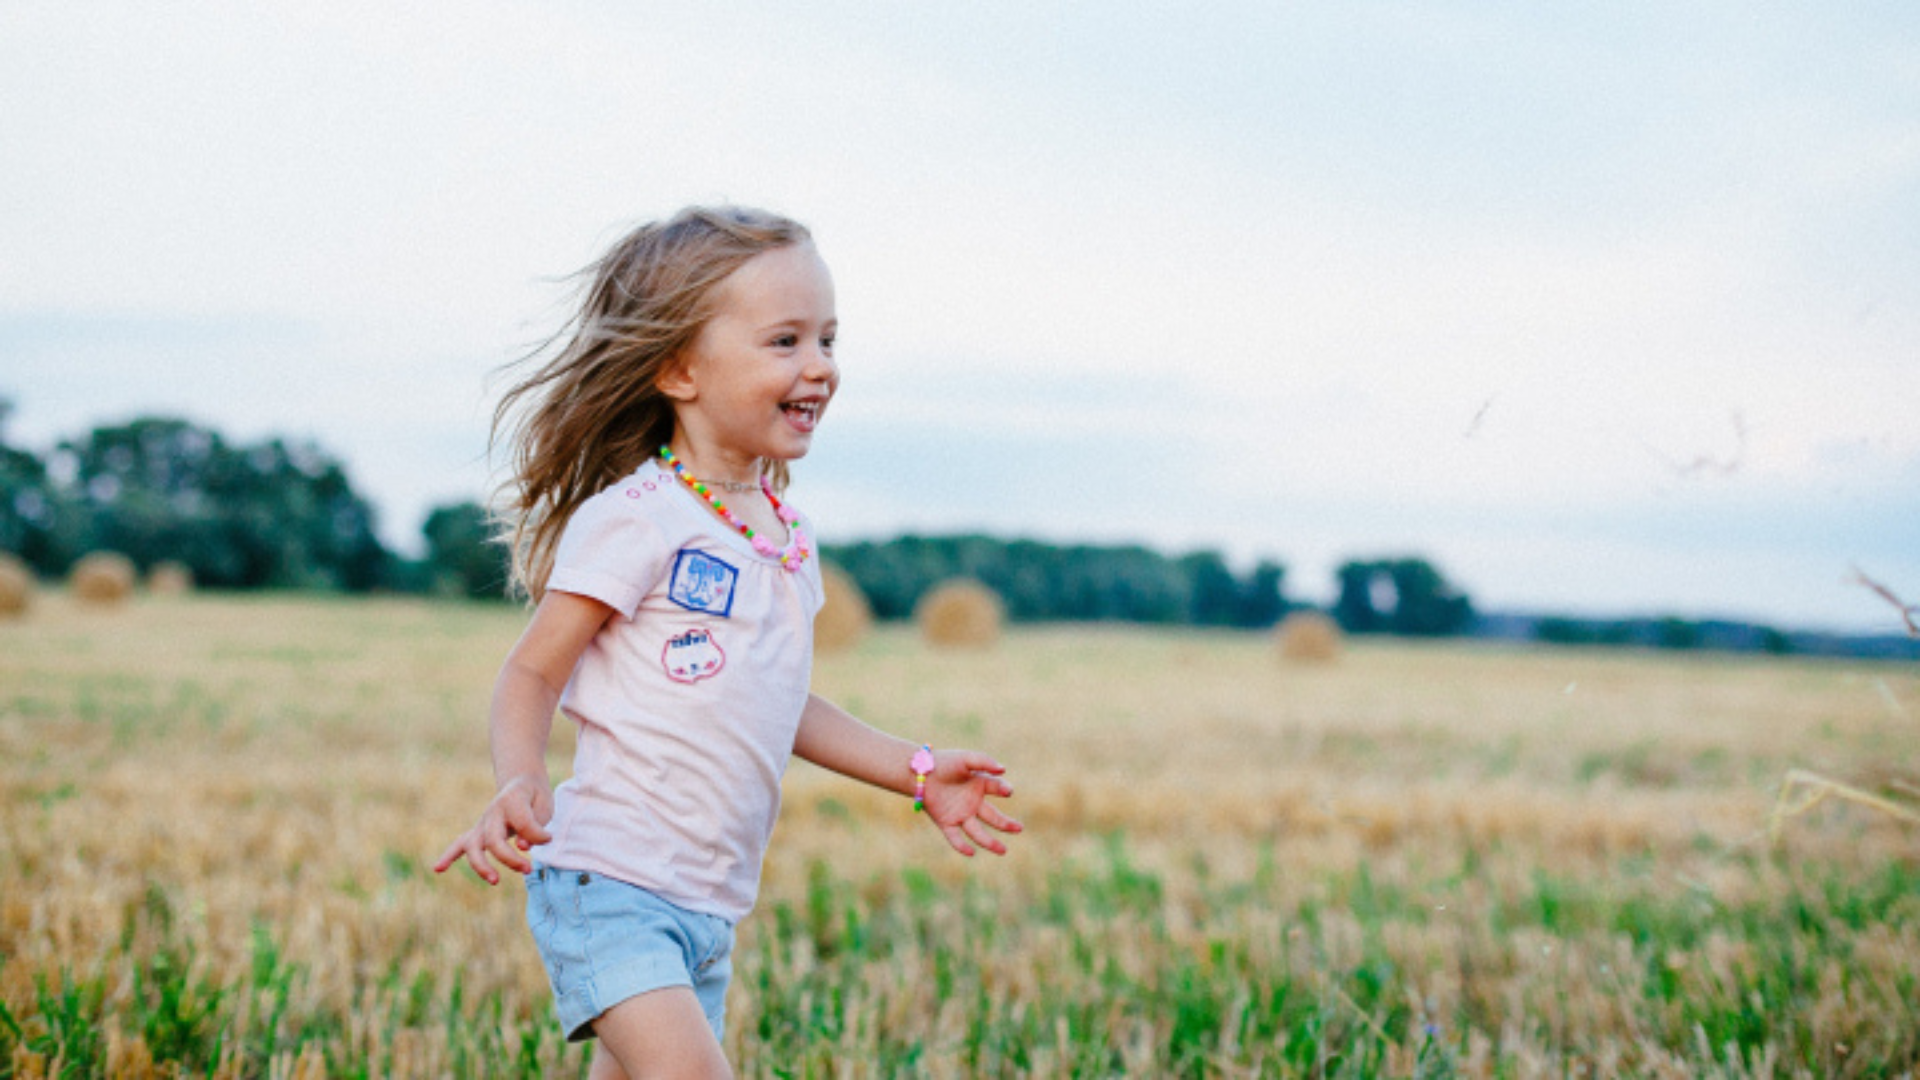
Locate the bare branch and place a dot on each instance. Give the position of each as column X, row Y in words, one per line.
column 1907, row 611
column 1473, row 425
column 1801, row 791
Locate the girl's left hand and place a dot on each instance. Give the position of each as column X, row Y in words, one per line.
column 957, row 793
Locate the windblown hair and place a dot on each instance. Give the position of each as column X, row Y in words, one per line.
column 591, row 410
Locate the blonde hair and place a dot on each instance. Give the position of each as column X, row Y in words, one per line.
column 592, row 411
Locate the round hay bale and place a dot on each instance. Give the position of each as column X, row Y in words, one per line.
column 104, row 577
column 170, row 579
column 845, row 617
column 1309, row 637
column 960, row 614
column 16, row 587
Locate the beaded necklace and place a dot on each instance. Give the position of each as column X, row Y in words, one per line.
column 790, row 557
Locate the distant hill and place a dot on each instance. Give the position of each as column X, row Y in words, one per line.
column 1675, row 633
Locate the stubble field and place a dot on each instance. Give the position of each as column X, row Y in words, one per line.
column 215, row 815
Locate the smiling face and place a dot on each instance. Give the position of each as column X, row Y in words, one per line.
column 755, row 382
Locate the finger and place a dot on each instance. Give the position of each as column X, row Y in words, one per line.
column 978, row 832
column 520, row 820
column 999, row 787
column 957, row 840
column 492, row 828
column 450, row 856
column 477, row 859
column 502, row 849
column 979, row 762
column 992, row 816
column 511, row 857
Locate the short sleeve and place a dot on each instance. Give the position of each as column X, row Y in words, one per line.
column 610, row 551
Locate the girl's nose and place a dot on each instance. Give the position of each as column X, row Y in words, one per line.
column 822, row 369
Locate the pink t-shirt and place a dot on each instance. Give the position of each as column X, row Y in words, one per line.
column 687, row 700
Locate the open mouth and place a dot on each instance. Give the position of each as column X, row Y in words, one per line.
column 805, row 415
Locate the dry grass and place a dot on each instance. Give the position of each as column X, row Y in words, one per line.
column 170, row 579
column 1309, row 637
column 1801, row 791
column 16, row 587
column 845, row 618
column 104, row 578
column 249, row 785
column 961, row 614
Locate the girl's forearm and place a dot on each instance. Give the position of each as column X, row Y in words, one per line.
column 833, row 738
column 520, row 723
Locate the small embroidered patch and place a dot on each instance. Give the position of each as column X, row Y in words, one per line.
column 692, row 656
column 702, row 583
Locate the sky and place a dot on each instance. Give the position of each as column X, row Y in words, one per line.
column 1602, row 308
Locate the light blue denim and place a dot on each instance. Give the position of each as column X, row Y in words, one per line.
column 605, row 941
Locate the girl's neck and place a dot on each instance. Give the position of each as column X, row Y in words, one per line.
column 719, row 468
column 757, row 521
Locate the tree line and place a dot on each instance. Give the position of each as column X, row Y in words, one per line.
column 1038, row 581
column 283, row 514
column 269, row 514
column 277, row 513
column 272, row 513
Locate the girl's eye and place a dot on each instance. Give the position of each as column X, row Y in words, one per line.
column 786, row 341
column 827, row 342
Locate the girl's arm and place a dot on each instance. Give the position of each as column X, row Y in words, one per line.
column 519, row 722
column 957, row 788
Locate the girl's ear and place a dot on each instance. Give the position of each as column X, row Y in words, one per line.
column 676, row 381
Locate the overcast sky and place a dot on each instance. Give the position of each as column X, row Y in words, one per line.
column 1602, row 307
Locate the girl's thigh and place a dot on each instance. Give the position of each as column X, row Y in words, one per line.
column 659, row 1033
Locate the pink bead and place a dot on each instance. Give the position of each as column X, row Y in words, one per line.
column 796, row 551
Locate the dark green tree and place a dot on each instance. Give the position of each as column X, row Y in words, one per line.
column 1673, row 632
column 1219, row 597
column 271, row 514
column 1561, row 630
column 1399, row 596
column 463, row 559
column 30, row 504
column 1041, row 581
column 1358, row 606
column 1428, row 605
column 1216, row 593
column 1265, row 598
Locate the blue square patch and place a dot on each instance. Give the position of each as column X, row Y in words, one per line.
column 702, row 583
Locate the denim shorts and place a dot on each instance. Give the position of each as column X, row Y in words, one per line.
column 604, row 941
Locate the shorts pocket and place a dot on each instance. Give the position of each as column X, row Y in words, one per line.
column 540, row 914
column 716, row 943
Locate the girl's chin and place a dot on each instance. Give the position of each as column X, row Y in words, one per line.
column 793, row 446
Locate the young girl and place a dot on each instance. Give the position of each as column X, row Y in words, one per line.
column 674, row 599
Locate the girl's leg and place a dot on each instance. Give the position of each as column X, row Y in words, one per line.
column 661, row 1033
column 604, row 1067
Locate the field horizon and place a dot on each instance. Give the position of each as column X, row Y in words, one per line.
column 1423, row 858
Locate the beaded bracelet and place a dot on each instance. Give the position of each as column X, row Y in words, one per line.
column 922, row 765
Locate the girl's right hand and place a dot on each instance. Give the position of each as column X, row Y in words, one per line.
column 512, row 824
